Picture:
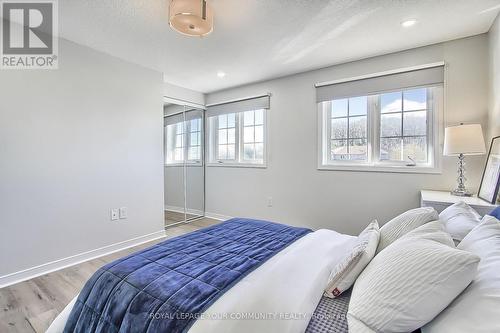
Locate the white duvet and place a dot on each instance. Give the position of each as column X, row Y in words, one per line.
column 279, row 296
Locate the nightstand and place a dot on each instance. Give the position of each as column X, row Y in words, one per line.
column 439, row 200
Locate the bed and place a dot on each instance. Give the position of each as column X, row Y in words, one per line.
column 280, row 293
column 248, row 276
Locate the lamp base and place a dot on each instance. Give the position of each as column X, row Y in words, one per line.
column 461, row 193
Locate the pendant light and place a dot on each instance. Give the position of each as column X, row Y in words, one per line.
column 191, row 17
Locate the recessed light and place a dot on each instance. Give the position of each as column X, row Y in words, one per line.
column 221, row 74
column 409, row 23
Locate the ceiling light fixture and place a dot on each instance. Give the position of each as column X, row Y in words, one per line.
column 221, row 74
column 191, row 17
column 409, row 23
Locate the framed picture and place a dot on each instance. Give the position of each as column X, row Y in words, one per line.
column 491, row 176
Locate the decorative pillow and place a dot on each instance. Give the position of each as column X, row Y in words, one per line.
column 347, row 271
column 496, row 213
column 431, row 231
column 459, row 219
column 404, row 223
column 410, row 282
column 476, row 309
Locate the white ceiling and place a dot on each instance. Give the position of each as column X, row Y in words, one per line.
column 254, row 40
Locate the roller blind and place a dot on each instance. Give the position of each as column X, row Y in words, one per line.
column 172, row 109
column 248, row 104
column 373, row 85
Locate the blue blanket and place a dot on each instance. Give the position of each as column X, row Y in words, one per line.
column 163, row 288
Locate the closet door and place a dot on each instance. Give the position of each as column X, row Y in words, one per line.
column 184, row 135
column 175, row 165
column 194, row 167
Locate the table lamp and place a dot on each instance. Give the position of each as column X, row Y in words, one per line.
column 459, row 141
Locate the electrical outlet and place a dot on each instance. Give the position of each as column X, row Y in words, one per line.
column 123, row 212
column 114, row 214
column 269, row 201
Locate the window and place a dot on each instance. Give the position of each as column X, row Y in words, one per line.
column 348, row 135
column 226, row 137
column 385, row 121
column 237, row 132
column 392, row 130
column 183, row 139
column 253, row 135
column 237, row 138
column 403, row 126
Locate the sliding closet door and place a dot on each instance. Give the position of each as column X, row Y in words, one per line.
column 174, row 171
column 184, row 135
column 195, row 170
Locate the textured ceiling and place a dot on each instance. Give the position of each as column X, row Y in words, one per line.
column 254, row 40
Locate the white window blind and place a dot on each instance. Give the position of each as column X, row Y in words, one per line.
column 247, row 104
column 378, row 84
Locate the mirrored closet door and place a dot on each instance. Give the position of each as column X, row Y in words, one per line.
column 194, row 166
column 184, row 180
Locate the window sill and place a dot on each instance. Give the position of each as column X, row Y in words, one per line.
column 238, row 165
column 381, row 168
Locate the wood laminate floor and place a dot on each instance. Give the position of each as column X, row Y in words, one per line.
column 30, row 306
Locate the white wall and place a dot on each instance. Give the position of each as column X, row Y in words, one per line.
column 345, row 201
column 183, row 94
column 75, row 142
column 494, row 71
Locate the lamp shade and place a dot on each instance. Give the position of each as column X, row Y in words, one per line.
column 191, row 17
column 464, row 139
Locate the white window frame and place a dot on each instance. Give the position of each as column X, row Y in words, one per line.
column 435, row 100
column 216, row 129
column 212, row 139
column 186, row 145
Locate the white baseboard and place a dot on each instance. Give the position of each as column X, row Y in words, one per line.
column 26, row 274
column 217, row 216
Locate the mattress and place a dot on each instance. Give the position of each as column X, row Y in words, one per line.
column 330, row 315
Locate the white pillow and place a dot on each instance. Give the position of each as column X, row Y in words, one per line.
column 404, row 223
column 410, row 282
column 347, row 271
column 459, row 219
column 476, row 309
